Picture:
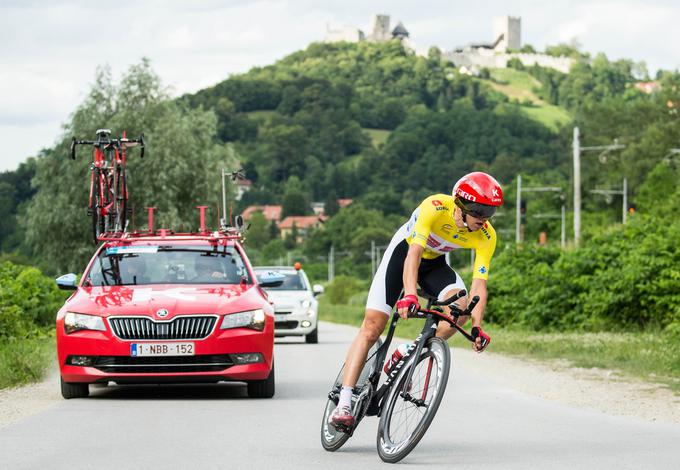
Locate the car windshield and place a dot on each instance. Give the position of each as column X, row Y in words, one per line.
column 293, row 280
column 167, row 264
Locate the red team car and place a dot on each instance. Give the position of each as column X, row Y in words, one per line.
column 165, row 308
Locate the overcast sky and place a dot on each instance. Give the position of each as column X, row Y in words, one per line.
column 50, row 49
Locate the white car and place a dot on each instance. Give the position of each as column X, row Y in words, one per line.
column 295, row 304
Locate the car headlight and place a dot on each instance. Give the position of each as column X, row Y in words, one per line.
column 251, row 319
column 306, row 303
column 79, row 321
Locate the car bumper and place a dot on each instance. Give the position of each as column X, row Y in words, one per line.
column 291, row 325
column 216, row 351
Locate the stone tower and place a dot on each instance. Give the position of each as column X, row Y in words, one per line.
column 511, row 29
column 381, row 28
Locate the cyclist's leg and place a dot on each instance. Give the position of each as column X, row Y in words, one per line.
column 371, row 328
column 441, row 280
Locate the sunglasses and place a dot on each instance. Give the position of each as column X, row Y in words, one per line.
column 475, row 209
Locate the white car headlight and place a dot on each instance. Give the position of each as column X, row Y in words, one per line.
column 79, row 321
column 254, row 319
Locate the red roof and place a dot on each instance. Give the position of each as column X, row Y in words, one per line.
column 301, row 221
column 269, row 212
column 344, row 202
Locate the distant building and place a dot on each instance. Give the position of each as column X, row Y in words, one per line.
column 335, row 33
column 303, row 224
column 271, row 213
column 507, row 41
column 648, row 87
column 319, row 208
column 380, row 32
column 242, row 186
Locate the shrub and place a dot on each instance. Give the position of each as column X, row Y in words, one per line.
column 341, row 288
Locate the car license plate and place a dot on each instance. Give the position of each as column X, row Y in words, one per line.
column 161, row 349
column 281, row 317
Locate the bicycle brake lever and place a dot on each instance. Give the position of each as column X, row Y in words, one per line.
column 141, row 143
column 73, row 148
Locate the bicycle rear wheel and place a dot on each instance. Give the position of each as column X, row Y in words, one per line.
column 98, row 223
column 331, row 438
column 120, row 200
column 409, row 409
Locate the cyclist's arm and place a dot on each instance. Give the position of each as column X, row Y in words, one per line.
column 483, row 254
column 411, row 265
column 478, row 288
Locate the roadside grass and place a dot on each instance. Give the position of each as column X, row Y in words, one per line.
column 652, row 357
column 24, row 360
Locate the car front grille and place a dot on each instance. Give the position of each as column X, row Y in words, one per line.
column 286, row 325
column 185, row 327
column 166, row 364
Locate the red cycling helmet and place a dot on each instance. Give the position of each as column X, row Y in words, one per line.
column 478, row 194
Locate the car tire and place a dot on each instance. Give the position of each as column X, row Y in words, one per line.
column 74, row 390
column 313, row 337
column 262, row 388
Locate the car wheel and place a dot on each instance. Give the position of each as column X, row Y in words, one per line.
column 74, row 390
column 262, row 388
column 313, row 337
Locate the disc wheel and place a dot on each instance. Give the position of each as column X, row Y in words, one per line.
column 331, row 438
column 409, row 408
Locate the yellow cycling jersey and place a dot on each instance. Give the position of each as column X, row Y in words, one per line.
column 432, row 226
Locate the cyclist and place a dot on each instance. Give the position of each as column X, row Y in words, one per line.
column 415, row 255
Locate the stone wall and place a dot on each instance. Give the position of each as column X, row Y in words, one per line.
column 480, row 58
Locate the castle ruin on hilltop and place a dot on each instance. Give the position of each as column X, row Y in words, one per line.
column 507, row 35
column 380, row 32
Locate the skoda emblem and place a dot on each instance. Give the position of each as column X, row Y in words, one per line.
column 161, row 313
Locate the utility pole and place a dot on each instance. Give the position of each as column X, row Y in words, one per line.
column 577, row 176
column 623, row 192
column 372, row 258
column 577, row 186
column 331, row 264
column 518, row 213
column 519, row 202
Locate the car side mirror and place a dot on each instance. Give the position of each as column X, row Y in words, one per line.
column 67, row 282
column 317, row 289
column 270, row 279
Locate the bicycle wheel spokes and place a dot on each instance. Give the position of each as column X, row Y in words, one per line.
column 410, row 408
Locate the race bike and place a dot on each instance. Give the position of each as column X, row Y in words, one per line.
column 108, row 198
column 408, row 398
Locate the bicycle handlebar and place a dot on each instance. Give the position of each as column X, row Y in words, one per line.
column 422, row 312
column 123, row 142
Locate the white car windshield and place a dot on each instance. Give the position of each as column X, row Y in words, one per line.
column 167, row 264
column 293, row 280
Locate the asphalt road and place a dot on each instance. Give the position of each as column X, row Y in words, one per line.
column 480, row 424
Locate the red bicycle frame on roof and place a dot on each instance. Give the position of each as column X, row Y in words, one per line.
column 107, row 203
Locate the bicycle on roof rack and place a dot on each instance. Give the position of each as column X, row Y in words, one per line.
column 408, row 399
column 108, row 198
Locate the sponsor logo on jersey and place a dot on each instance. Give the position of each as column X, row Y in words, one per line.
column 447, row 227
column 432, row 242
column 482, row 269
column 447, row 248
column 487, row 234
column 437, row 203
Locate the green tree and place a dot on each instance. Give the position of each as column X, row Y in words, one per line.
column 295, row 199
column 259, row 231
column 181, row 143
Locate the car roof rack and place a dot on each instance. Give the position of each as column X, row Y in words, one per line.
column 224, row 234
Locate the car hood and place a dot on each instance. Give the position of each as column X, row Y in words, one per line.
column 176, row 299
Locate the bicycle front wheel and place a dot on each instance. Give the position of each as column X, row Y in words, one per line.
column 331, row 438
column 410, row 408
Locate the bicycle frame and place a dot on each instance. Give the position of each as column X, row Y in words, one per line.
column 432, row 319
